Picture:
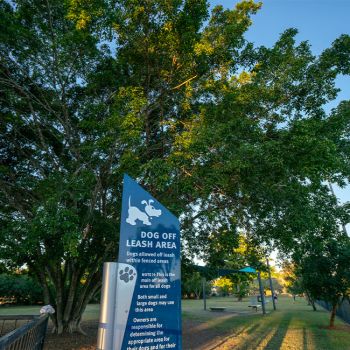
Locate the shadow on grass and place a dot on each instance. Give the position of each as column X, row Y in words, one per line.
column 325, row 339
column 276, row 340
column 293, row 326
column 254, row 333
column 264, row 333
column 304, row 339
column 246, row 329
column 211, row 334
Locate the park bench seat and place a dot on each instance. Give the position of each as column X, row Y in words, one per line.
column 254, row 306
column 217, row 308
column 254, row 303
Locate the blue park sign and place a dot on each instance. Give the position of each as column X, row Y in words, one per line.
column 148, row 300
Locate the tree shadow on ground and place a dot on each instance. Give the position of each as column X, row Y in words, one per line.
column 305, row 336
column 279, row 334
column 212, row 333
column 323, row 338
column 263, row 334
column 246, row 329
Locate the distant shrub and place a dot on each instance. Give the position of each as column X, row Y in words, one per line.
column 21, row 289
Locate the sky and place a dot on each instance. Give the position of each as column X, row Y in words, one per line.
column 319, row 22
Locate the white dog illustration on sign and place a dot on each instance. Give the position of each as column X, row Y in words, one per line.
column 135, row 213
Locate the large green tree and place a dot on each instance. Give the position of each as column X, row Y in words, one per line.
column 59, row 210
column 263, row 148
column 89, row 91
column 323, row 271
column 319, row 257
column 228, row 136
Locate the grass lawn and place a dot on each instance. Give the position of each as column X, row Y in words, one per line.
column 292, row 326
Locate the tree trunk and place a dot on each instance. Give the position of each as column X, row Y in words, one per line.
column 311, row 301
column 69, row 297
column 238, row 290
column 71, row 294
column 75, row 326
column 313, row 304
column 333, row 313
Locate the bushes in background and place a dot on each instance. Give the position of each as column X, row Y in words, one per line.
column 21, row 289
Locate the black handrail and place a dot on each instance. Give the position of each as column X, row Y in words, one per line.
column 30, row 336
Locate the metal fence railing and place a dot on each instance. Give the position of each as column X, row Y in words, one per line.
column 343, row 310
column 28, row 336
